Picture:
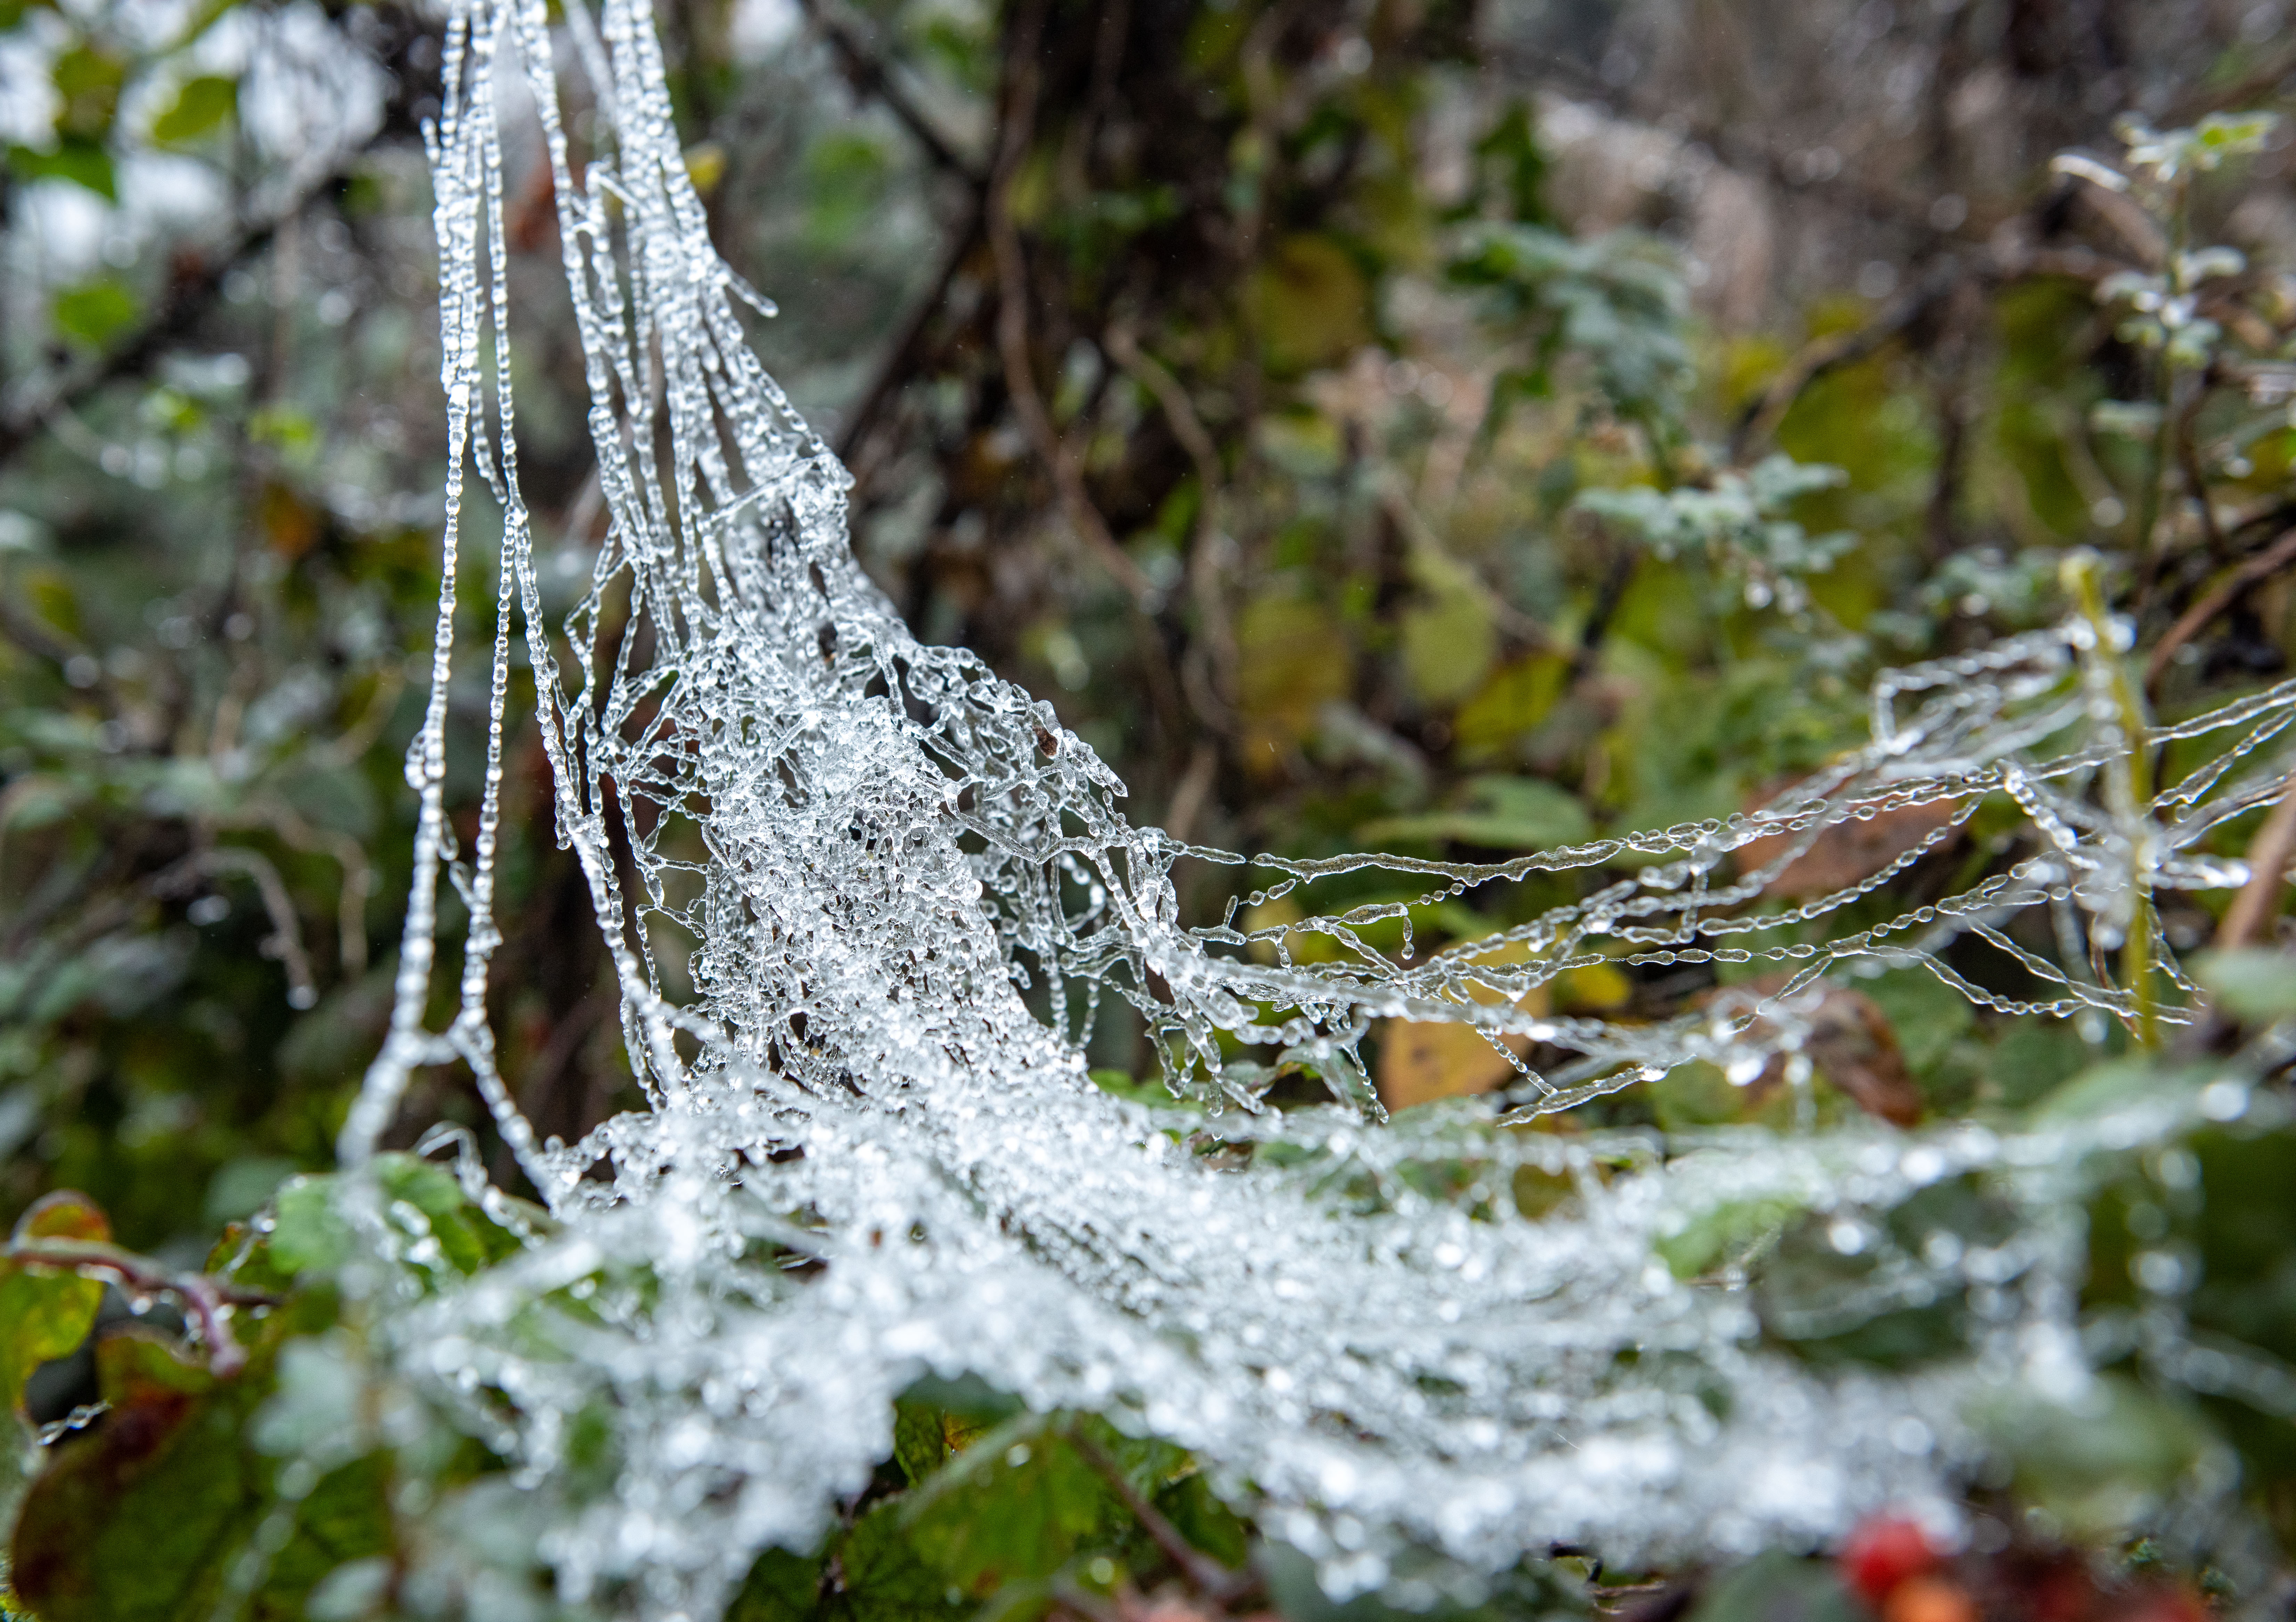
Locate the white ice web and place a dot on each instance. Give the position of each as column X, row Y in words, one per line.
column 867, row 1160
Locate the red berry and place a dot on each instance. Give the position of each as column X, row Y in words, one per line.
column 1883, row 1553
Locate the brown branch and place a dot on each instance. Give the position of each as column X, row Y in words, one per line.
column 900, row 360
column 1209, row 691
column 1215, row 1581
column 207, row 1301
column 2220, row 597
column 1835, row 351
column 1013, row 321
column 872, row 76
column 2267, row 871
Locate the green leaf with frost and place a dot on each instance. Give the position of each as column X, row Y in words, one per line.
column 1738, row 517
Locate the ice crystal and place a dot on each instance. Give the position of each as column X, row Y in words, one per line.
column 822, row 856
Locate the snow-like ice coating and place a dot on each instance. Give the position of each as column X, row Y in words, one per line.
column 821, row 854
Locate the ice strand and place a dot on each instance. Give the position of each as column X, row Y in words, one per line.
column 827, row 860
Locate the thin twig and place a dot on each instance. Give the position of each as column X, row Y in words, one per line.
column 870, row 76
column 1835, row 351
column 2221, row 596
column 1613, row 593
column 286, row 938
column 1013, row 322
column 207, row 1300
column 1210, row 691
column 899, row 364
column 1206, row 1574
column 2268, row 872
column 1195, row 788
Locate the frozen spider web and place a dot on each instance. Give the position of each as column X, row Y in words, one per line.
column 820, row 853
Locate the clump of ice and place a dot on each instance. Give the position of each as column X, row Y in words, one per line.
column 820, row 853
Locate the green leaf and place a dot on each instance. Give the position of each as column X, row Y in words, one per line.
column 1726, row 1234
column 47, row 1312
column 95, row 312
column 133, row 1518
column 1448, row 641
column 345, row 1523
column 310, row 1236
column 83, row 162
column 1927, row 1015
column 87, row 80
column 1778, row 1587
column 307, row 1234
column 1199, row 1515
column 921, row 1442
column 1497, row 813
column 2256, row 986
column 887, row 1577
column 781, row 1587
column 2100, row 1462
column 1015, row 1506
column 201, row 105
column 1860, row 1293
column 1311, row 304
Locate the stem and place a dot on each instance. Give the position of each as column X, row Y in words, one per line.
column 2150, row 504
column 207, row 1301
column 1215, row 1581
column 2134, row 784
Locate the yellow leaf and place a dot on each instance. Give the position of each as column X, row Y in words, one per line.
column 1420, row 1061
column 1592, row 988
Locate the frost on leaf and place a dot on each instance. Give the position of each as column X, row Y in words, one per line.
column 821, row 854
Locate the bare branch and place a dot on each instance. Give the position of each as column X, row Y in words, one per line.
column 1013, row 333
column 870, row 76
column 2195, row 620
column 2268, row 872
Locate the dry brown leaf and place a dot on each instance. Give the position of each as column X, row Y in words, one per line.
column 1852, row 1045
column 1843, row 854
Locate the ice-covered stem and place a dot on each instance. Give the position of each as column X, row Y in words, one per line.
column 2130, row 789
column 207, row 1301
